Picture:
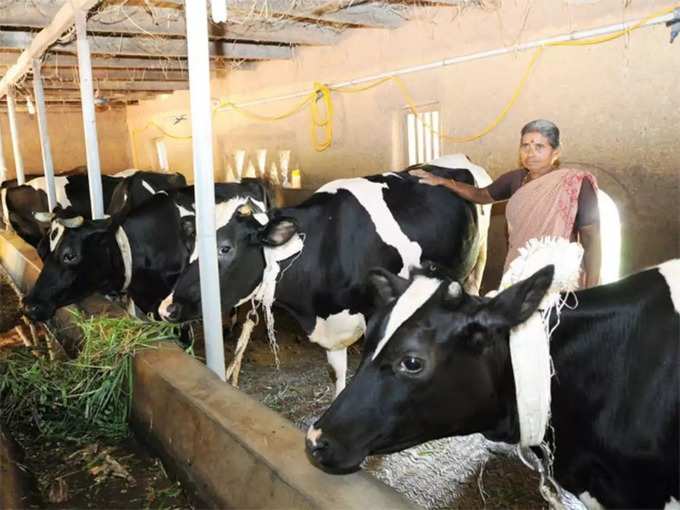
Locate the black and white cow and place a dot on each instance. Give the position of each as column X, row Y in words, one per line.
column 436, row 363
column 21, row 203
column 139, row 251
column 325, row 246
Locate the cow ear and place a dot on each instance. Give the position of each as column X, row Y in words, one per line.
column 386, row 286
column 277, row 232
column 121, row 202
column 516, row 303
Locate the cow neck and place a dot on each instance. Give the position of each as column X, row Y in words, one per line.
column 530, row 340
column 126, row 256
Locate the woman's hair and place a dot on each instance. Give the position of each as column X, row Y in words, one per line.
column 546, row 128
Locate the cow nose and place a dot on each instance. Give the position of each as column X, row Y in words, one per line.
column 316, row 444
column 69, row 255
column 317, row 450
column 173, row 311
column 32, row 311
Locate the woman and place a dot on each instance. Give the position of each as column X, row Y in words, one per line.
column 544, row 199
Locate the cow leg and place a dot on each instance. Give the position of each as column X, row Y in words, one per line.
column 338, row 360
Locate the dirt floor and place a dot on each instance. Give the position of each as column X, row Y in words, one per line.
column 76, row 474
column 457, row 473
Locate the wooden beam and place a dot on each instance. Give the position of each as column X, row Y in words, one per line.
column 131, row 20
column 157, row 47
column 60, row 96
column 71, row 74
column 161, row 86
column 69, row 107
column 371, row 14
column 375, row 16
column 335, row 6
column 39, row 44
column 60, row 60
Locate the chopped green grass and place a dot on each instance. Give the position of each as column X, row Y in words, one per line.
column 86, row 397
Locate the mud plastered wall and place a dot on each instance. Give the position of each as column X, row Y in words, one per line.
column 68, row 141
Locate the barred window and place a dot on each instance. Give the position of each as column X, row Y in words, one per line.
column 422, row 137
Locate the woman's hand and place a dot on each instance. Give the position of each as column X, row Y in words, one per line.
column 427, row 178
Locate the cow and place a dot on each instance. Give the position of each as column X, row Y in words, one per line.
column 436, row 363
column 139, row 251
column 10, row 183
column 21, row 203
column 326, row 245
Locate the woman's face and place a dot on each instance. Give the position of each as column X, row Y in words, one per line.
column 536, row 154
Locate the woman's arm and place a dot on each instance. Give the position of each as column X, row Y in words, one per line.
column 592, row 252
column 466, row 191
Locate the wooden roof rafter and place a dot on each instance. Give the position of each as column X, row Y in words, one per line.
column 62, row 21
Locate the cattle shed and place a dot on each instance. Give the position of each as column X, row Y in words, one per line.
column 304, row 92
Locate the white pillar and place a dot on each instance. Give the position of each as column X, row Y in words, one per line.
column 89, row 122
column 201, row 128
column 14, row 133
column 48, row 168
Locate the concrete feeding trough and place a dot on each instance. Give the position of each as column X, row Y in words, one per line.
column 231, row 450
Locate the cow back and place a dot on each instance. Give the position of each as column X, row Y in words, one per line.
column 616, row 392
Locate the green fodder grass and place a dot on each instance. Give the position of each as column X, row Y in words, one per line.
column 86, row 397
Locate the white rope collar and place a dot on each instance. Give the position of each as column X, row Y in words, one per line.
column 530, row 341
column 264, row 293
column 126, row 254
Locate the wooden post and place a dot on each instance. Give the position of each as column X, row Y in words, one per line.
column 89, row 122
column 48, row 167
column 14, row 133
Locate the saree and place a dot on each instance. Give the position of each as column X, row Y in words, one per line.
column 546, row 206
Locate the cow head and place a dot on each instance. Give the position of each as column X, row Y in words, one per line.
column 435, row 364
column 243, row 231
column 78, row 261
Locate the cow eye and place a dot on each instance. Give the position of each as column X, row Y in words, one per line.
column 411, row 365
column 224, row 250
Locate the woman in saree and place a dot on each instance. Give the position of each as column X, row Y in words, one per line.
column 545, row 199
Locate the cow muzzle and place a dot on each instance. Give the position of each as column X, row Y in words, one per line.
column 322, row 453
column 173, row 312
column 169, row 310
column 37, row 312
